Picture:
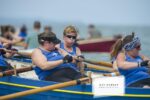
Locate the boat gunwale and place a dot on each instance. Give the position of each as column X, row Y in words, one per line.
column 71, row 91
column 97, row 40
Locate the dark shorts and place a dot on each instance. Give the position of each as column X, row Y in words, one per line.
column 63, row 75
column 141, row 83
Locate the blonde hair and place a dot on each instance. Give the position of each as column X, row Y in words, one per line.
column 70, row 29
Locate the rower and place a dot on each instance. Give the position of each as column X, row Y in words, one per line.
column 51, row 64
column 70, row 35
column 93, row 32
column 47, row 29
column 4, row 65
column 131, row 64
column 31, row 40
column 8, row 37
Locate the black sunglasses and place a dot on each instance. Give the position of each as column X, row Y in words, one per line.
column 70, row 36
column 138, row 47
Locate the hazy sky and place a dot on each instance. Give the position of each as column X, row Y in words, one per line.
column 126, row 12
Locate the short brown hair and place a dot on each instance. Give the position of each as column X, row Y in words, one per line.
column 37, row 24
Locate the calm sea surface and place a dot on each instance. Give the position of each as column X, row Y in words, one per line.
column 142, row 32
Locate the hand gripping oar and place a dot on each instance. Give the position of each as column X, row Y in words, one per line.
column 79, row 58
column 12, row 72
column 45, row 88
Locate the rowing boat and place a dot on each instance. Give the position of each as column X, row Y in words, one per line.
column 96, row 45
column 13, row 84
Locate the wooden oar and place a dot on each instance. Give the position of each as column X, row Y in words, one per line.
column 101, row 63
column 101, row 68
column 12, row 72
column 102, row 74
column 46, row 88
column 27, row 54
column 111, row 74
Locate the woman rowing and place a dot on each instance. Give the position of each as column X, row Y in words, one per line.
column 8, row 36
column 131, row 64
column 52, row 64
column 4, row 65
column 70, row 35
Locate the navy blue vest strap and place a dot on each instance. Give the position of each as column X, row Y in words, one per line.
column 135, row 74
column 73, row 49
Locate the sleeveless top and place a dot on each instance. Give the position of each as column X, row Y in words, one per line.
column 51, row 56
column 73, row 49
column 3, row 63
column 73, row 53
column 135, row 74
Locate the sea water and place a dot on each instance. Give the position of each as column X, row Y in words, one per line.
column 107, row 31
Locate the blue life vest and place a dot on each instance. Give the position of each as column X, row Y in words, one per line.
column 73, row 53
column 3, row 63
column 51, row 56
column 73, row 49
column 134, row 74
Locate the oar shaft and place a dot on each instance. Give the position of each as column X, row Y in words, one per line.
column 99, row 63
column 12, row 72
column 111, row 74
column 97, row 67
column 42, row 89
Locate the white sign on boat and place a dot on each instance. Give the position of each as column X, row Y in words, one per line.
column 108, row 86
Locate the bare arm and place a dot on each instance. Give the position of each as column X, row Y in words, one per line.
column 125, row 64
column 40, row 60
column 27, row 54
column 78, row 51
column 5, row 40
column 64, row 53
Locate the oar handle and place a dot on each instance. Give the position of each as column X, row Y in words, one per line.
column 46, row 88
column 12, row 72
